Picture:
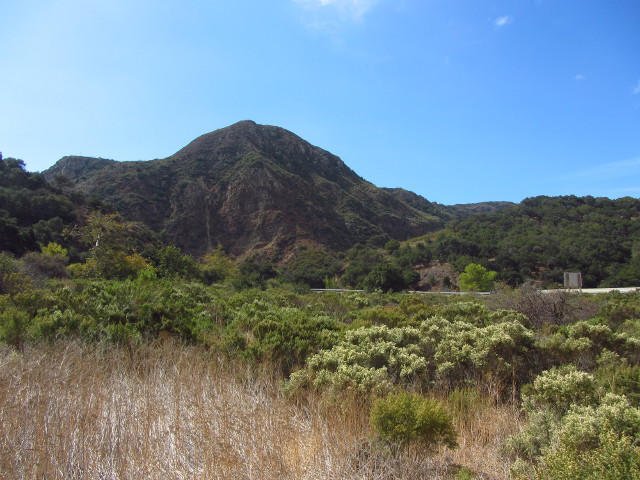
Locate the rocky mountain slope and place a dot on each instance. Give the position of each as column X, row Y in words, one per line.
column 254, row 189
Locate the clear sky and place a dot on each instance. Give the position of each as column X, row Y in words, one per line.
column 459, row 101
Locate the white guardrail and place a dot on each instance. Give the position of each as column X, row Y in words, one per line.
column 592, row 291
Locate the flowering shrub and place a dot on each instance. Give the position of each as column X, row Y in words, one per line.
column 615, row 458
column 595, row 442
column 582, row 342
column 465, row 353
column 552, row 394
column 367, row 360
column 574, row 434
column 558, row 389
column 583, row 426
column 443, row 352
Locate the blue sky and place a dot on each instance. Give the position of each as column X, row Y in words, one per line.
column 459, row 101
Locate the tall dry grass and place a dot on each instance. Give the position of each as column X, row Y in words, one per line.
column 169, row 411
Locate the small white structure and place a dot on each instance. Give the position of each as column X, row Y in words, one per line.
column 573, row 280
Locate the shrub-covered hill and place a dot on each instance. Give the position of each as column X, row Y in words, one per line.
column 32, row 211
column 542, row 237
column 253, row 189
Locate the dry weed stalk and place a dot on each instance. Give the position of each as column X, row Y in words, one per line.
column 169, row 411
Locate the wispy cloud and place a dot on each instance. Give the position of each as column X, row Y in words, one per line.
column 503, row 21
column 579, row 77
column 345, row 9
column 622, row 169
column 636, row 90
column 612, row 179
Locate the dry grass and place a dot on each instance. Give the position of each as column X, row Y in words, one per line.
column 167, row 411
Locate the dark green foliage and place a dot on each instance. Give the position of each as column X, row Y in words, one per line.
column 387, row 277
column 360, row 261
column 285, row 337
column 310, row 266
column 121, row 311
column 620, row 308
column 31, row 211
column 377, row 241
column 254, row 274
column 407, row 256
column 392, row 246
column 170, row 262
column 113, row 245
column 625, row 274
column 408, row 418
column 544, row 236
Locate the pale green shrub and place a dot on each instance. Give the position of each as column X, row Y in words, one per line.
column 550, row 397
column 558, row 389
column 366, row 360
column 583, row 426
column 583, row 342
column 615, row 458
column 442, row 352
column 567, row 419
column 464, row 353
column 538, row 434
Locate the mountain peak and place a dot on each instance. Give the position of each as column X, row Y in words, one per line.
column 254, row 189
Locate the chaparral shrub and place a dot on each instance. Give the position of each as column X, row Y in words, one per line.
column 406, row 418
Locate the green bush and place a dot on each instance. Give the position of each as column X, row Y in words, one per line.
column 476, row 278
column 286, row 336
column 583, row 342
column 14, row 324
column 566, row 414
column 408, row 418
column 583, row 426
column 386, row 277
column 440, row 352
column 615, row 458
column 617, row 375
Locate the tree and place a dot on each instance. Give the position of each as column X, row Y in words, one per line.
column 172, row 263
column 385, row 277
column 111, row 254
column 476, row 278
column 217, row 265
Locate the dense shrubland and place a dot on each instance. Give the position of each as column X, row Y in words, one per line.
column 542, row 237
column 569, row 374
column 526, row 384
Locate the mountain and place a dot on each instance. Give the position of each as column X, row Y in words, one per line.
column 543, row 237
column 254, row 189
column 466, row 210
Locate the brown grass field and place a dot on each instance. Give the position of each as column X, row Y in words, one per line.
column 169, row 411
